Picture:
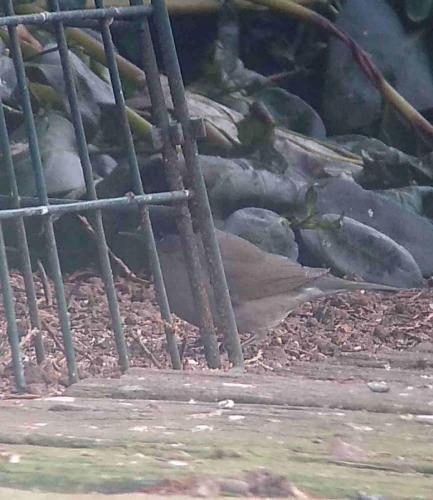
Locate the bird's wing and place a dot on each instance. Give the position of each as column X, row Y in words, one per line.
column 176, row 280
column 254, row 274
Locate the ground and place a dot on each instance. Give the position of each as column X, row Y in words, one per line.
column 357, row 322
column 337, row 403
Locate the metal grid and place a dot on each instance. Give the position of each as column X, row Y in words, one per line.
column 188, row 193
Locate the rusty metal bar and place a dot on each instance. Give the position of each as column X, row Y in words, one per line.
column 170, row 134
column 43, row 18
column 101, row 243
column 226, row 320
column 138, row 188
column 174, row 178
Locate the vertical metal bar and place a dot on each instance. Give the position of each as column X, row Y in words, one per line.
column 161, row 294
column 225, row 312
column 26, row 267
column 138, row 188
column 174, row 178
column 43, row 196
column 101, row 241
column 8, row 302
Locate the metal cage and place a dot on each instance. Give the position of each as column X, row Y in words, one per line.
column 175, row 136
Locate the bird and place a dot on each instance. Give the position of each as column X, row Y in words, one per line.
column 264, row 287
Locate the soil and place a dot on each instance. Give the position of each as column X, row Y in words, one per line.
column 370, row 324
column 336, row 403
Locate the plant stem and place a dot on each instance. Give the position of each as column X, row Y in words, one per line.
column 406, row 110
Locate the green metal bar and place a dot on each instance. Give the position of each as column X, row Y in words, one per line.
column 226, row 319
column 162, row 298
column 26, row 267
column 70, row 16
column 124, row 203
column 138, row 186
column 175, row 181
column 101, row 242
column 30, row 201
column 43, row 196
column 8, row 301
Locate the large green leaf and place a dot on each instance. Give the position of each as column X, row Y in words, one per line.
column 418, row 10
column 291, row 112
column 265, row 229
column 8, row 78
column 72, row 4
column 415, row 233
column 61, row 163
column 416, row 199
column 226, row 79
column 93, row 92
column 350, row 101
column 385, row 166
column 360, row 250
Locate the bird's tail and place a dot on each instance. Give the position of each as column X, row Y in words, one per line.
column 329, row 283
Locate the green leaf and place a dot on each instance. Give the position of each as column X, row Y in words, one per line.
column 351, row 248
column 59, row 155
column 311, row 200
column 93, row 92
column 290, row 111
column 72, row 4
column 350, row 101
column 418, row 10
column 256, row 129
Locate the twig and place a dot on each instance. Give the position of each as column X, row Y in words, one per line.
column 415, row 297
column 79, row 350
column 266, row 367
column 183, row 348
column 45, row 284
column 146, row 350
column 76, row 280
column 20, row 396
column 53, row 335
column 117, row 260
column 72, row 292
column 252, row 360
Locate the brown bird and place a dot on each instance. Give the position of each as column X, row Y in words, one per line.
column 264, row 287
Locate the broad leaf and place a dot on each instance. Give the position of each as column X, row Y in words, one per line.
column 292, row 112
column 61, row 163
column 418, row 10
column 356, row 249
column 350, row 101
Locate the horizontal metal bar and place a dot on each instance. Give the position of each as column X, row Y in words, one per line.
column 41, row 189
column 67, row 16
column 106, row 203
column 94, row 24
column 31, row 201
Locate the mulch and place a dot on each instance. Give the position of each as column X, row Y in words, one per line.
column 353, row 322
